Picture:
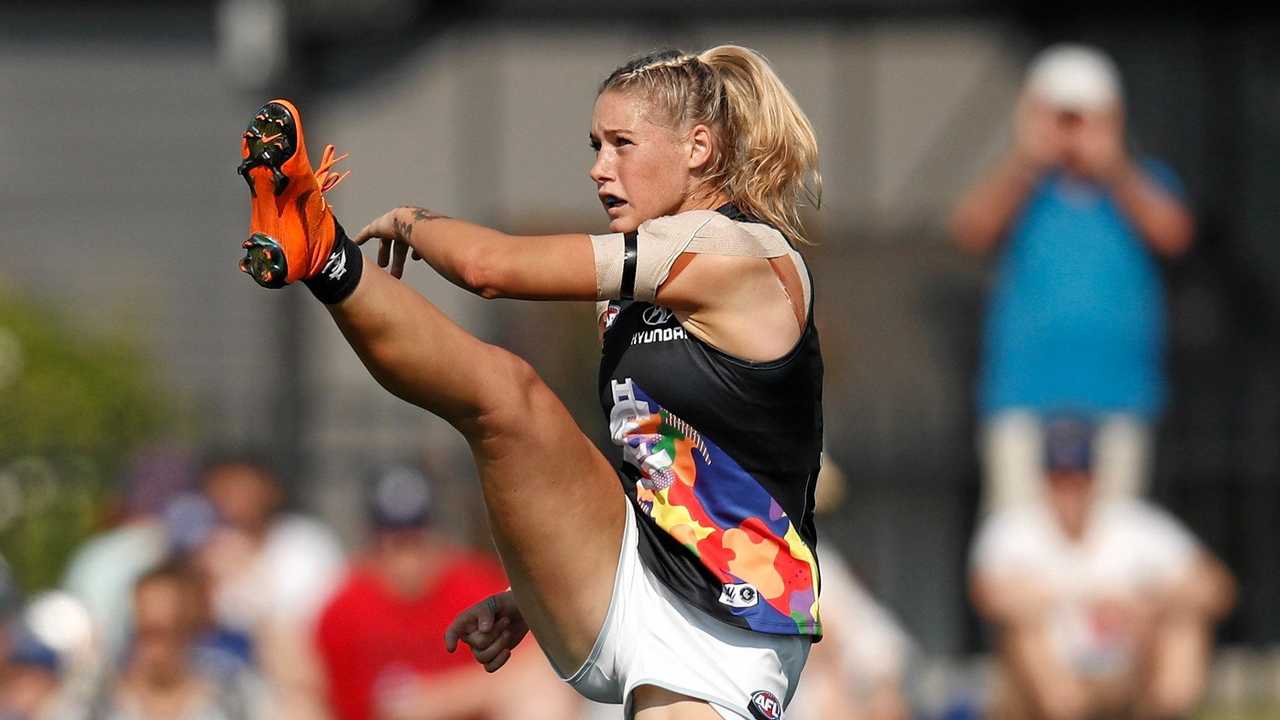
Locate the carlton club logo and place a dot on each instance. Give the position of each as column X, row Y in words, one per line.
column 765, row 706
column 610, row 314
column 654, row 315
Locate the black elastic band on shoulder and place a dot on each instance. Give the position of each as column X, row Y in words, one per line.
column 629, row 265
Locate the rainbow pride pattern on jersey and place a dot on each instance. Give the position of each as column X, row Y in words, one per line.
column 697, row 494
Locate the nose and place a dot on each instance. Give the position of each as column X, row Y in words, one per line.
column 601, row 170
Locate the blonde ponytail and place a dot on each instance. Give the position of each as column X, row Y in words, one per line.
column 766, row 160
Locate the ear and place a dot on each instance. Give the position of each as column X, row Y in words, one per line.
column 702, row 143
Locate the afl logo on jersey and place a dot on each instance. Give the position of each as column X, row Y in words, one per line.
column 654, row 315
column 765, row 706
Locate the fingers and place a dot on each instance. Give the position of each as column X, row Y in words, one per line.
column 380, row 227
column 384, row 252
column 467, row 627
column 398, row 254
column 472, row 625
column 478, row 639
column 458, row 629
column 365, row 233
column 487, row 653
column 393, row 251
column 499, row 661
column 484, row 613
column 484, row 644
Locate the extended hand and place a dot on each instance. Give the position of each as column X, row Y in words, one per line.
column 394, row 230
column 491, row 628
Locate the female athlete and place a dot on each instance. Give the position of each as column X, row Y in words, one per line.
column 692, row 593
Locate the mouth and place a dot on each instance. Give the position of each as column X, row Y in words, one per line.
column 612, row 203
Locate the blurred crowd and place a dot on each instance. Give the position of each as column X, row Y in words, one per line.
column 210, row 600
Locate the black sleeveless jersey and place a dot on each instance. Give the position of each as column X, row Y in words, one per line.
column 720, row 459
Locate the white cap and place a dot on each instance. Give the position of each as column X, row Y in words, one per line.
column 1074, row 77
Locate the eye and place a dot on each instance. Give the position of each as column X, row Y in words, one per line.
column 594, row 143
column 623, row 141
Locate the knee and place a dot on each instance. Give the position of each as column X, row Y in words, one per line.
column 512, row 397
column 1174, row 701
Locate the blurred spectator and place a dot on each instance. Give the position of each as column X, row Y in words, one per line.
column 382, row 635
column 29, row 676
column 103, row 570
column 28, row 672
column 858, row 670
column 1104, row 607
column 1075, row 321
column 40, row 642
column 161, row 680
column 270, row 572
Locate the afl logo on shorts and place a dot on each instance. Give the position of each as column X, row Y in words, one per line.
column 655, row 315
column 765, row 706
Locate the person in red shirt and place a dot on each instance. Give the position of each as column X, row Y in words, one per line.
column 381, row 636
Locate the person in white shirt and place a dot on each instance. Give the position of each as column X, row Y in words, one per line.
column 1104, row 607
column 271, row 571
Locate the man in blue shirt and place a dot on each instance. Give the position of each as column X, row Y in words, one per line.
column 1075, row 321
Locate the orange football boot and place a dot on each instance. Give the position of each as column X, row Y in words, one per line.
column 292, row 228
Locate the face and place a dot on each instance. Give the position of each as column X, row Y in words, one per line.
column 163, row 625
column 403, row 556
column 244, row 496
column 1071, row 494
column 643, row 168
column 1090, row 136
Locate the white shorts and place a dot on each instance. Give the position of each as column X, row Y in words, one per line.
column 652, row 637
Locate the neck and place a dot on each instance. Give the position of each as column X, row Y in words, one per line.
column 159, row 684
column 703, row 201
column 1073, row 516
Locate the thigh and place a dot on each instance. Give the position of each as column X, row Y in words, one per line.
column 1012, row 446
column 553, row 500
column 557, row 514
column 649, row 702
column 1123, row 456
column 1177, row 665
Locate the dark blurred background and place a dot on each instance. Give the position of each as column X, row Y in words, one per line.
column 123, row 322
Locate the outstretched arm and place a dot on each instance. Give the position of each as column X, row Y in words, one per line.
column 484, row 261
column 711, row 292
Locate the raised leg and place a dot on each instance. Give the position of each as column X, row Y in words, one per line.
column 554, row 502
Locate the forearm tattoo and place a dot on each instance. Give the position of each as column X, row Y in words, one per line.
column 405, row 229
column 425, row 214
